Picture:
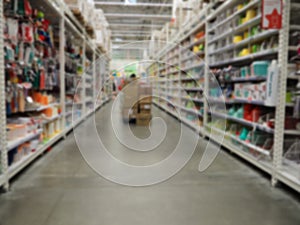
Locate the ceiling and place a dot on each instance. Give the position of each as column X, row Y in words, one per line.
column 131, row 22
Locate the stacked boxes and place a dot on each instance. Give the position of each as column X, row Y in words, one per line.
column 130, row 99
column 144, row 105
column 137, row 100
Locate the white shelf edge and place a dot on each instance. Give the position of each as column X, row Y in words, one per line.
column 193, row 99
column 244, row 122
column 15, row 143
column 261, row 165
column 231, row 47
column 193, row 125
column 182, row 119
column 295, row 6
column 2, row 180
column 43, row 107
column 295, row 27
column 237, row 29
column 244, row 58
column 49, row 120
column 288, row 179
column 245, row 8
column 26, row 160
column 194, row 54
column 198, row 65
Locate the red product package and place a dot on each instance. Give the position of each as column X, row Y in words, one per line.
column 27, row 7
column 42, row 80
column 27, row 32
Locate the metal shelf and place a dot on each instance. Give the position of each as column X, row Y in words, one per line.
column 191, row 89
column 193, row 99
column 173, row 96
column 265, row 166
column 292, row 132
column 253, row 102
column 73, row 103
column 68, row 114
column 173, row 56
column 18, row 166
column 243, row 101
column 232, row 16
column 64, row 18
column 194, row 66
column 15, row 143
column 41, row 108
column 247, row 79
column 194, row 126
column 219, row 100
column 245, row 58
column 244, row 122
column 194, row 55
column 294, row 27
column 190, row 78
column 293, row 48
column 2, row 180
column 201, row 40
column 237, row 29
column 285, row 177
column 273, row 165
column 191, row 111
column 49, row 120
column 258, row 37
column 183, row 119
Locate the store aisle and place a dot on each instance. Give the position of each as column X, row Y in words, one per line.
column 61, row 189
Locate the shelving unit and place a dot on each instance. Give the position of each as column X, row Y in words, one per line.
column 232, row 43
column 81, row 70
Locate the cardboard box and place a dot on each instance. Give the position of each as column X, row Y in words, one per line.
column 130, row 93
column 143, row 119
column 129, row 113
column 145, row 89
column 145, row 108
column 145, row 99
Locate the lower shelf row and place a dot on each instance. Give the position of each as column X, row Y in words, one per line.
column 24, row 150
column 254, row 146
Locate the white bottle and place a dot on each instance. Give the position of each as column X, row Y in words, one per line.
column 272, row 84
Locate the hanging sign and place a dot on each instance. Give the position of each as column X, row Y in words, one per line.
column 271, row 14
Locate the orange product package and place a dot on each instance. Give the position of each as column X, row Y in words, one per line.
column 37, row 97
column 48, row 112
column 44, row 100
column 200, row 34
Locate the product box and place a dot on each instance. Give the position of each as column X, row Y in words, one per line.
column 129, row 113
column 238, row 90
column 145, row 99
column 143, row 119
column 145, row 89
column 126, row 113
column 145, row 108
column 130, row 93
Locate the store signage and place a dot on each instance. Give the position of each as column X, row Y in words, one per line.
column 271, row 14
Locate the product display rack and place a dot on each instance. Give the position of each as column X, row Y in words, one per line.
column 91, row 61
column 181, row 73
column 233, row 42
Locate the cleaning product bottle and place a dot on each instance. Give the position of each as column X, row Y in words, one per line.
column 272, row 84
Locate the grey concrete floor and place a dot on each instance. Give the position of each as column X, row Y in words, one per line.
column 61, row 189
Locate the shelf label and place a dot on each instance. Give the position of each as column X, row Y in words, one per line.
column 271, row 14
